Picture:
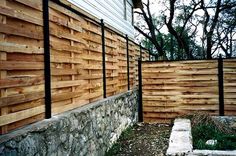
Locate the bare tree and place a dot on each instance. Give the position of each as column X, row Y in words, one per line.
column 184, row 22
column 152, row 30
column 226, row 31
column 179, row 35
column 211, row 21
column 152, row 27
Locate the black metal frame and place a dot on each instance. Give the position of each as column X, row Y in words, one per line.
column 103, row 59
column 47, row 68
column 140, row 103
column 221, row 86
column 127, row 51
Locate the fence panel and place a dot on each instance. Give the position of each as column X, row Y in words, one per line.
column 76, row 61
column 132, row 65
column 136, row 57
column 112, row 67
column 229, row 69
column 174, row 88
column 21, row 64
column 122, row 64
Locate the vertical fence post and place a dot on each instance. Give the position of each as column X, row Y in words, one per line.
column 47, row 68
column 140, row 51
column 221, row 85
column 140, row 102
column 127, row 50
column 103, row 59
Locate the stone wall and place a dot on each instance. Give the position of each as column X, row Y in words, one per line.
column 89, row 130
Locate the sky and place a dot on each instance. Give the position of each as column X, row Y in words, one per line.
column 156, row 8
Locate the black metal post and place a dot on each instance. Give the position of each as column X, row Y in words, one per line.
column 140, row 104
column 140, row 52
column 103, row 59
column 47, row 68
column 221, row 85
column 127, row 50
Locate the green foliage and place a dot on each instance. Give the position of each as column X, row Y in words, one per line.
column 206, row 131
column 126, row 134
column 171, row 48
column 114, row 150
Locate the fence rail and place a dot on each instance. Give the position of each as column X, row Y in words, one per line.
column 173, row 88
column 55, row 61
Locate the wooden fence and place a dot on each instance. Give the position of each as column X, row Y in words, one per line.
column 76, row 61
column 175, row 88
column 229, row 68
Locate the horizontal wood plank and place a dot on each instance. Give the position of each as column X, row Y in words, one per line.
column 13, row 117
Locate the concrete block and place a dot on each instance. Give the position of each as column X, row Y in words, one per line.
column 180, row 142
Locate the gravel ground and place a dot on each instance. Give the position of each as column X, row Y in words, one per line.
column 142, row 139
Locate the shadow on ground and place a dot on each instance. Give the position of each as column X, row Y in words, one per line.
column 142, row 139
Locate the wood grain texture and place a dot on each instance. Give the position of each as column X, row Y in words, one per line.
column 76, row 62
column 175, row 88
column 21, row 51
column 229, row 69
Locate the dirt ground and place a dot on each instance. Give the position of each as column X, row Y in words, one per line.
column 142, row 139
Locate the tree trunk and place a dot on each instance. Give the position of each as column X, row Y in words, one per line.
column 209, row 47
column 212, row 28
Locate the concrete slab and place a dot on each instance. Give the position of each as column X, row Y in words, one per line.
column 213, row 153
column 182, row 125
column 180, row 142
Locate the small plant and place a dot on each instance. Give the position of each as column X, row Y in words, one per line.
column 126, row 134
column 114, row 150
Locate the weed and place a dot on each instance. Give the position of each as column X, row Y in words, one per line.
column 126, row 134
column 114, row 150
